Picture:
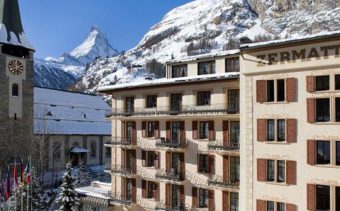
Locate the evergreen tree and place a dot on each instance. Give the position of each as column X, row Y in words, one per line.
column 68, row 196
column 83, row 177
column 39, row 201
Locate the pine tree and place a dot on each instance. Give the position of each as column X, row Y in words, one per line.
column 67, row 197
column 83, row 176
column 39, row 202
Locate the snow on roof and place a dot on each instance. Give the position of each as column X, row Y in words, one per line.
column 62, row 112
column 291, row 40
column 97, row 189
column 78, row 150
column 22, row 40
column 205, row 56
column 166, row 81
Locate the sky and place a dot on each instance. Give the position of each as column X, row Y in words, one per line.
column 58, row 26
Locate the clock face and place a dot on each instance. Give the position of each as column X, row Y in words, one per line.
column 15, row 67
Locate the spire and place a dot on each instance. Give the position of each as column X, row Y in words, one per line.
column 11, row 29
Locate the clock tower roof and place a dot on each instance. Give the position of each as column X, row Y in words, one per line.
column 11, row 29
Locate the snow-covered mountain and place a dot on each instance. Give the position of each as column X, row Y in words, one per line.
column 60, row 73
column 207, row 26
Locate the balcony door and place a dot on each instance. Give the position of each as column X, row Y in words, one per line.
column 176, row 102
column 129, row 131
column 129, row 104
column 175, row 162
column 176, row 132
column 234, row 133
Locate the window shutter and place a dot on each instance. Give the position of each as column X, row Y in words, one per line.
column 261, row 91
column 133, row 162
column 134, row 192
column 156, row 192
column 134, row 134
column 261, row 130
column 143, row 188
column 167, row 195
column 157, row 132
column 226, row 133
column 194, row 130
column 143, row 129
column 182, row 133
column 123, row 188
column 212, row 164
column 123, row 134
column 181, row 195
column 211, row 199
column 143, row 158
column 198, row 163
column 311, row 110
column 182, row 165
column 291, row 89
column 158, row 160
column 311, row 197
column 290, row 207
column 168, row 161
column 311, row 152
column 291, row 130
column 212, row 131
column 261, row 170
column 225, row 168
column 194, row 197
column 168, row 131
column 291, row 172
column 225, row 199
column 260, row 205
column 310, row 82
column 123, row 158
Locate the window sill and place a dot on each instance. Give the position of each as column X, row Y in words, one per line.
column 277, row 142
column 327, row 166
column 277, row 183
column 276, row 103
column 327, row 123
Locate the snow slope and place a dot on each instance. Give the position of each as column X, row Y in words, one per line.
column 64, row 71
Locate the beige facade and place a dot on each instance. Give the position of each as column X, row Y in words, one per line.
column 290, row 125
column 175, row 144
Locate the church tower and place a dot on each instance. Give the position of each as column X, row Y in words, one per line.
column 16, row 84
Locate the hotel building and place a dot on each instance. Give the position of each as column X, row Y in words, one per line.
column 175, row 143
column 290, row 121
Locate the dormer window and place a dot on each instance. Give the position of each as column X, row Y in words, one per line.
column 179, row 71
column 205, row 68
column 15, row 90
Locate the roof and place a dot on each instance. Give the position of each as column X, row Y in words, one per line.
column 205, row 56
column 66, row 113
column 11, row 29
column 290, row 40
column 97, row 189
column 172, row 81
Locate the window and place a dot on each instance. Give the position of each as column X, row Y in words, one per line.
column 93, row 149
column 129, row 104
column 232, row 65
column 107, row 152
column 203, row 162
column 56, row 150
column 128, row 192
column 280, row 206
column 337, row 198
column 179, row 71
column 321, row 83
column 206, row 67
column 175, row 131
column 337, row 153
column 151, row 129
column 270, row 130
column 151, row 187
column 235, row 133
column 235, row 168
column 323, row 110
column 280, row 90
column 270, row 206
column 176, row 102
column 337, row 109
column 151, row 101
column 323, row 152
column 203, row 98
column 270, row 91
column 280, row 171
column 15, row 90
column 233, row 101
column 203, row 130
column 281, row 130
column 150, row 159
column 322, row 197
column 203, row 198
column 176, row 162
column 337, row 82
column 233, row 201
column 175, row 196
column 270, row 170
column 129, row 131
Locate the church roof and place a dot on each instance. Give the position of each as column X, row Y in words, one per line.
column 11, row 29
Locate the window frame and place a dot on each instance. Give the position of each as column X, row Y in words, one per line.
column 275, row 205
column 336, row 77
column 203, row 198
column 15, row 90
column 211, row 64
column 93, row 150
column 203, row 164
column 324, row 116
column 274, row 93
column 316, row 196
column 152, row 104
column 151, row 129
column 275, row 171
column 233, row 100
column 205, row 96
column 337, row 153
column 234, row 65
column 317, row 149
column 178, row 70
column 321, row 88
column 234, row 132
column 205, row 129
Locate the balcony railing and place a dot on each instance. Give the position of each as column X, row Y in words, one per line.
column 220, row 146
column 161, row 205
column 119, row 141
column 118, row 198
column 172, row 175
column 180, row 144
column 174, row 110
column 219, row 181
column 122, row 170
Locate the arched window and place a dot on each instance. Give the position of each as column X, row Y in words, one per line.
column 15, row 90
column 93, row 149
column 56, row 150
